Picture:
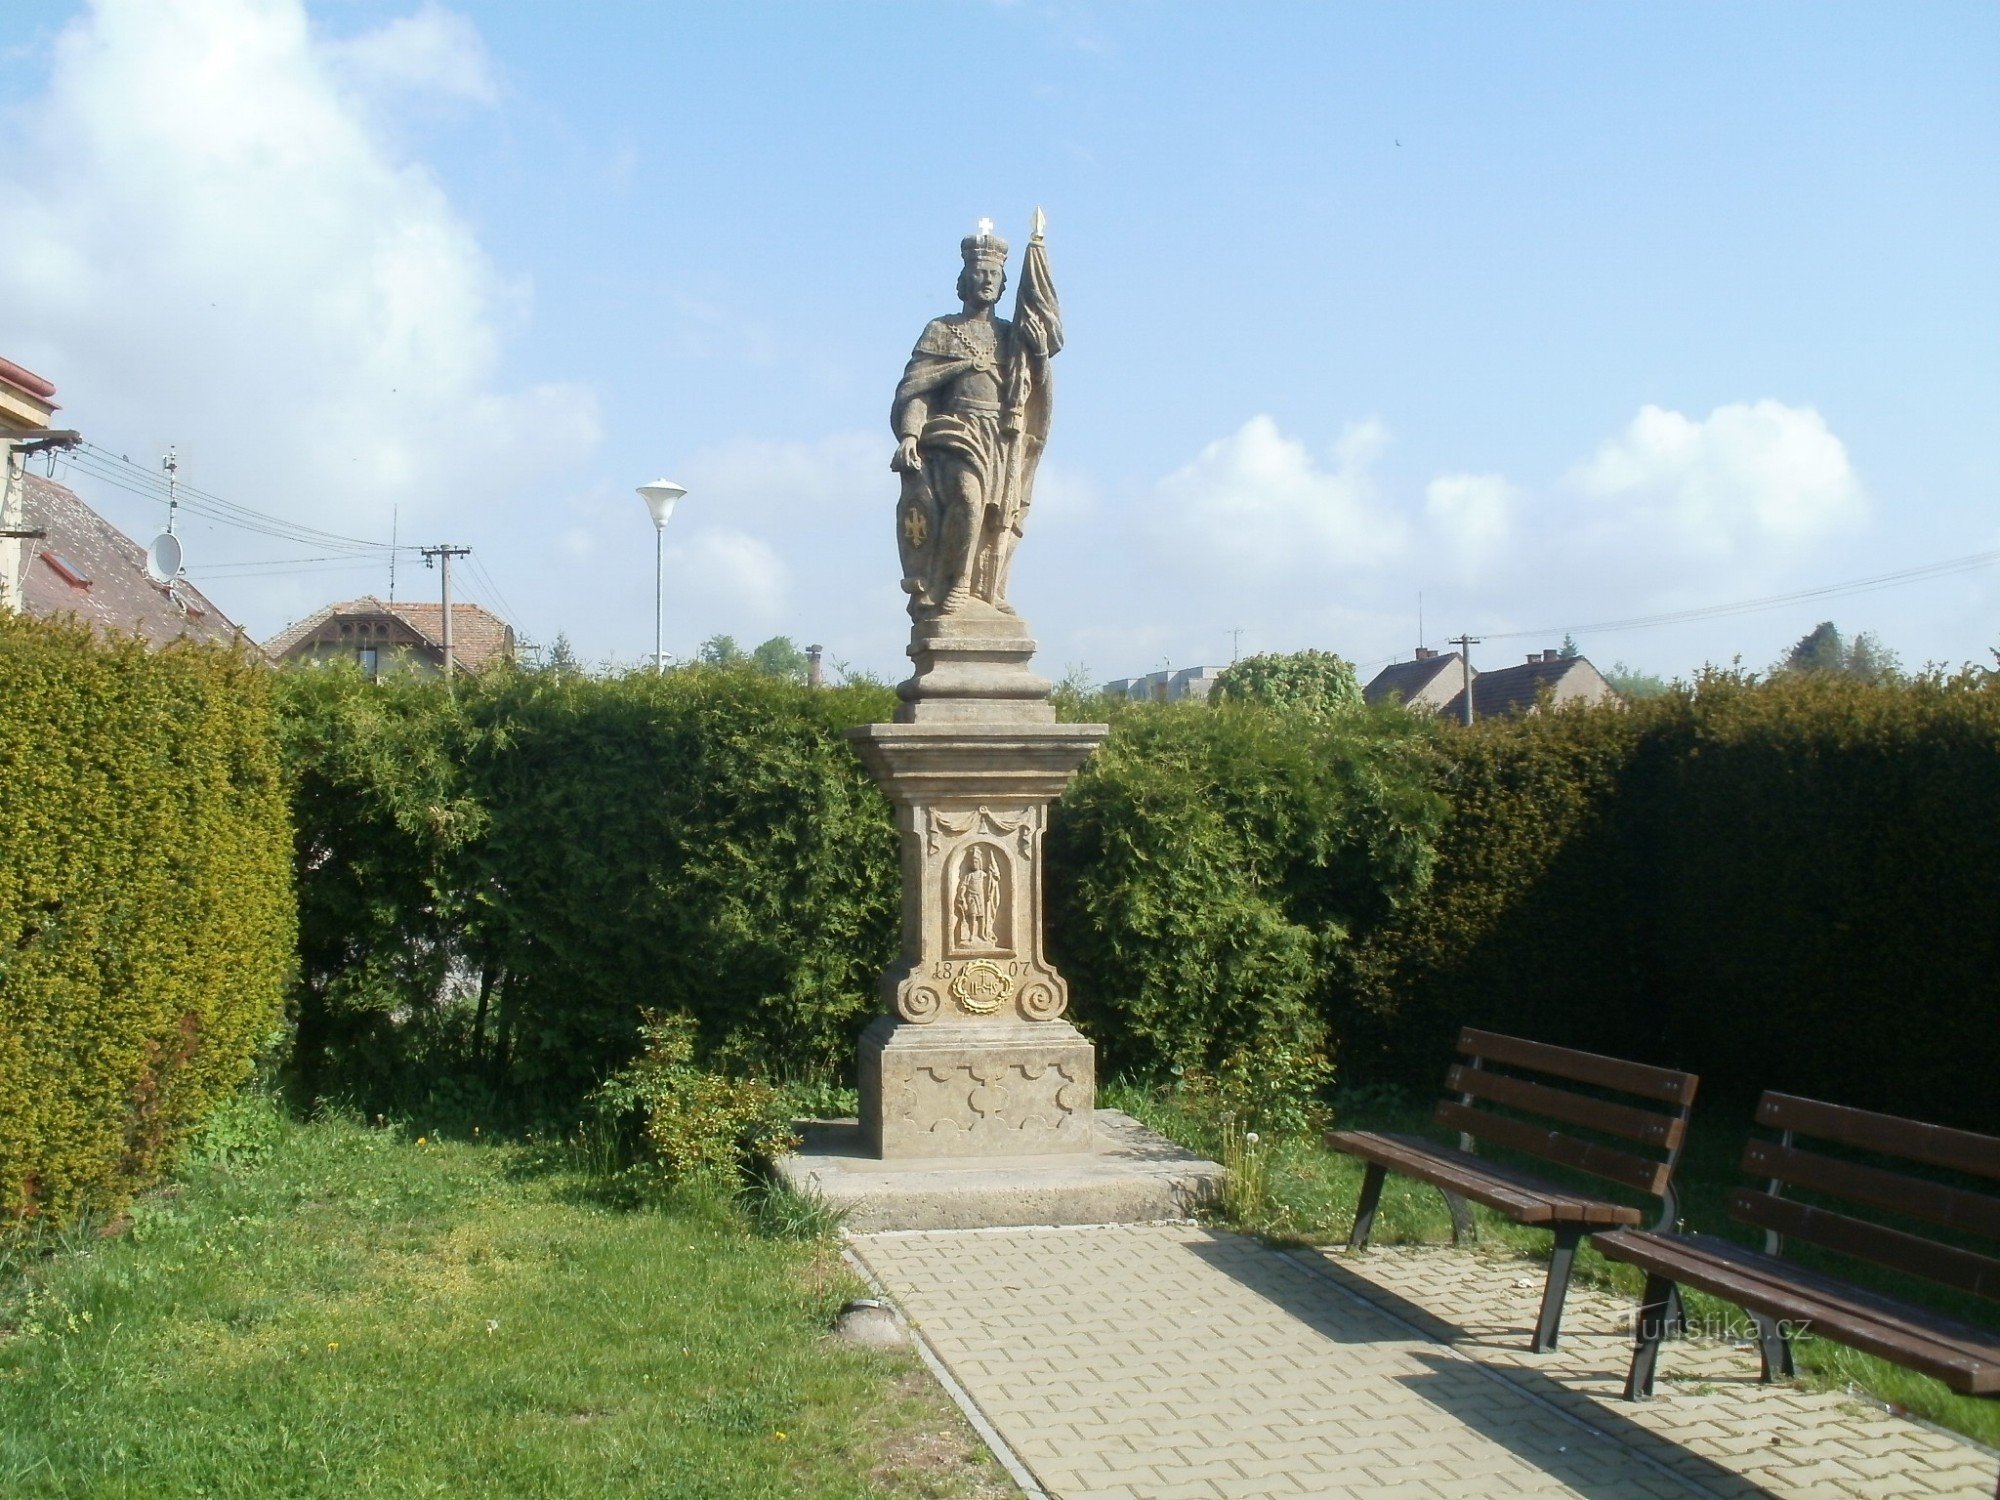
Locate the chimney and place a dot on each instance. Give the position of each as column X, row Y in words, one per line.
column 1426, row 653
column 1534, row 657
column 1552, row 656
column 812, row 666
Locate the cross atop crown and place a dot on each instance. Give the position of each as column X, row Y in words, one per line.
column 983, row 244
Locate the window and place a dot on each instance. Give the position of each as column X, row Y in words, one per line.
column 371, row 661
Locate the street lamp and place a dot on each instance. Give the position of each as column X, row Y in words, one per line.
column 660, row 496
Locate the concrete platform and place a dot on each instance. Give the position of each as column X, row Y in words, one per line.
column 1132, row 1177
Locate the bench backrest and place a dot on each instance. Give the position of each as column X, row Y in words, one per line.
column 1783, row 1163
column 1659, row 1125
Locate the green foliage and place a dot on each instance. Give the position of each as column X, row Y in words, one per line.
column 721, row 651
column 146, row 915
column 1314, row 685
column 1825, row 649
column 1775, row 884
column 688, row 1125
column 1631, row 682
column 495, row 882
column 1206, row 871
column 781, row 657
column 1570, row 650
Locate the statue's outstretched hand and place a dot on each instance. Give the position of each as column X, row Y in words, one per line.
column 907, row 459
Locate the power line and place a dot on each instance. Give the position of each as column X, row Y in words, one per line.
column 116, row 469
column 1969, row 563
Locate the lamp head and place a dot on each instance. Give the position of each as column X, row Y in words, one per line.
column 660, row 496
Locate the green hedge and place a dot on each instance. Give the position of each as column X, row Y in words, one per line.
column 1785, row 884
column 1209, row 867
column 146, row 911
column 1776, row 884
column 506, row 876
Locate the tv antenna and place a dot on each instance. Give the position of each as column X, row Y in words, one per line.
column 165, row 560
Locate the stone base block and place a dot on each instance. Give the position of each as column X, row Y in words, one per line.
column 1008, row 1089
column 1132, row 1177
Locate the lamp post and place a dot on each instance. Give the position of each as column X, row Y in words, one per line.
column 660, row 496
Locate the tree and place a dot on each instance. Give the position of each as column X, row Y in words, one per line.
column 1825, row 649
column 780, row 657
column 721, row 651
column 1570, row 649
column 1315, row 685
column 1633, row 683
column 562, row 659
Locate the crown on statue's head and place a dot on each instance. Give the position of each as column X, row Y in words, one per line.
column 983, row 244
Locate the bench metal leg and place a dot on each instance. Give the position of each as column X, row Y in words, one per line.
column 1652, row 1328
column 1561, row 1263
column 1677, row 1315
column 1364, row 1211
column 1775, row 1349
column 1461, row 1219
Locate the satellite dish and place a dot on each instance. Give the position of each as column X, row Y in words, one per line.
column 163, row 558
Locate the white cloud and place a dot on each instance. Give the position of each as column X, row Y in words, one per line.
column 434, row 53
column 1750, row 472
column 1260, row 502
column 733, row 578
column 211, row 241
column 1472, row 516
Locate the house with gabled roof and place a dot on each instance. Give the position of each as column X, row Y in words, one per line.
column 1426, row 684
column 387, row 636
column 82, row 566
column 1545, row 677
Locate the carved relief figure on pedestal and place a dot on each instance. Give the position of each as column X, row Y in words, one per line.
column 976, row 902
column 971, row 415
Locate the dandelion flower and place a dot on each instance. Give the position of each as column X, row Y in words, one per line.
column 1250, row 1137
column 423, row 1140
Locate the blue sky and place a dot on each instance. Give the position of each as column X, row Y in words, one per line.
column 1557, row 315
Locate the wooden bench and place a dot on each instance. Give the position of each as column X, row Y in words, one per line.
column 1777, row 1292
column 1660, row 1125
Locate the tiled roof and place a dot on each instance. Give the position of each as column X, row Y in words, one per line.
column 27, row 380
column 89, row 568
column 478, row 636
column 1403, row 680
column 1514, row 690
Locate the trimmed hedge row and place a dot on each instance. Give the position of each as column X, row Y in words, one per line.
column 1786, row 883
column 146, row 907
column 1790, row 884
column 507, row 876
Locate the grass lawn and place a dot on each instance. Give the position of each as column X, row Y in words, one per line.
column 1310, row 1194
column 361, row 1313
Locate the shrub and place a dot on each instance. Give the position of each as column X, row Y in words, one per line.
column 496, row 880
column 1313, row 685
column 1205, row 868
column 146, row 917
column 1782, row 883
column 682, row 1124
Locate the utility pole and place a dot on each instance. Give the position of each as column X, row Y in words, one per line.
column 1235, row 641
column 440, row 556
column 1465, row 643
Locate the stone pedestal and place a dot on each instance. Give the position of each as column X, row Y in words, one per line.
column 972, row 1057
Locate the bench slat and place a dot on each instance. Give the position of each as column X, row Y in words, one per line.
column 1944, row 1264
column 1963, row 1356
column 1952, row 1207
column 1935, row 1145
column 1649, row 1126
column 1580, row 1067
column 1553, row 1145
column 1526, row 1198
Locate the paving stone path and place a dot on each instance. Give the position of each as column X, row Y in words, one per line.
column 1148, row 1361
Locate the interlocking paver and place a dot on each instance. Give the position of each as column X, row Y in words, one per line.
column 1140, row 1362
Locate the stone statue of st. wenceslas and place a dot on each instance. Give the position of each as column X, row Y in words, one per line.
column 971, row 416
